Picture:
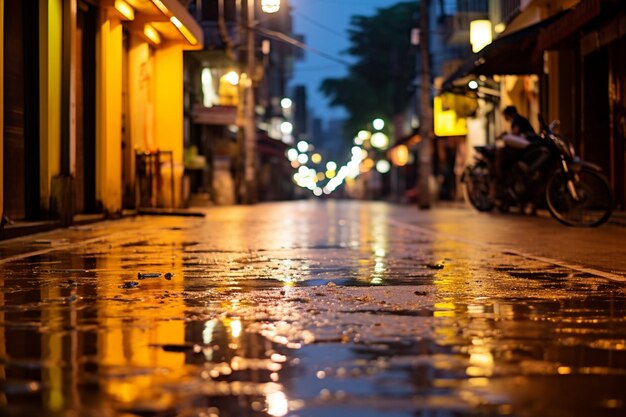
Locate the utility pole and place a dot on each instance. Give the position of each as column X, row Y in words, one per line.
column 426, row 113
column 249, row 112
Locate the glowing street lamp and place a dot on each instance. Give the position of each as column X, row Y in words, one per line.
column 270, row 6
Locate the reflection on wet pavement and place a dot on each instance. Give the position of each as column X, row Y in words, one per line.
column 302, row 309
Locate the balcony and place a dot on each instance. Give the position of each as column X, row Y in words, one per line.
column 214, row 116
column 509, row 9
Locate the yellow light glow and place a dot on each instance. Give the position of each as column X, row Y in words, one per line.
column 316, row 158
column 499, row 28
column 183, row 30
column 270, row 6
column 159, row 4
column 480, row 34
column 446, row 121
column 152, row 34
column 321, row 176
column 330, row 174
column 399, row 155
column 232, row 77
column 125, row 9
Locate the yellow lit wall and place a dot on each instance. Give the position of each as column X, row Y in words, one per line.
column 109, row 44
column 140, row 99
column 1, row 109
column 169, row 111
column 50, row 56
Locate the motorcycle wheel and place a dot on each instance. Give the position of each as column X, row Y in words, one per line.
column 477, row 188
column 594, row 205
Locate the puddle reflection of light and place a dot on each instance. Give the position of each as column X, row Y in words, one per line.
column 235, row 328
column 207, row 333
column 277, row 404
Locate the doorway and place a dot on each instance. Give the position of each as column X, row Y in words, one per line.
column 85, row 181
column 21, row 110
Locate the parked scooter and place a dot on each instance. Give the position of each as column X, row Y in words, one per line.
column 575, row 192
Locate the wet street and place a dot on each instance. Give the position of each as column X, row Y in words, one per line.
column 315, row 309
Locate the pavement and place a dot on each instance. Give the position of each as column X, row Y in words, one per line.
column 312, row 308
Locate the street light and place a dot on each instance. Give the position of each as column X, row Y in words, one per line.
column 249, row 139
column 270, row 6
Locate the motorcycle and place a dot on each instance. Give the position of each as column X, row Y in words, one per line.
column 575, row 192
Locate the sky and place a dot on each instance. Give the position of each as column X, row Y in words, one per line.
column 324, row 23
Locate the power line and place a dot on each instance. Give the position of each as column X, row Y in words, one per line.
column 320, row 25
column 281, row 37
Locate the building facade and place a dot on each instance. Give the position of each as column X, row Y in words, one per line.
column 92, row 98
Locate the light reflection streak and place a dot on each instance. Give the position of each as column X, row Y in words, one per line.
column 277, row 404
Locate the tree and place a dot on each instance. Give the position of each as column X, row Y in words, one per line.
column 379, row 83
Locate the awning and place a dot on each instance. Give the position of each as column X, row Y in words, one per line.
column 567, row 25
column 513, row 54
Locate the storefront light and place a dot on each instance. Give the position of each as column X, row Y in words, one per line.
column 159, row 4
column 125, row 9
column 480, row 34
column 183, row 30
column 152, row 34
column 232, row 77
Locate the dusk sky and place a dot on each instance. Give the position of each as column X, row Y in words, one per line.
column 324, row 24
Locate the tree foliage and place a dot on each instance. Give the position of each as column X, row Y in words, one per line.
column 379, row 82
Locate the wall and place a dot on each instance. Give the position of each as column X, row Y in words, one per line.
column 168, row 126
column 109, row 112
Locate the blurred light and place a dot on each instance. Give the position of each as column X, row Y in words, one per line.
column 266, row 45
column 378, row 124
column 321, row 176
column 331, row 166
column 286, row 128
column 125, row 9
column 364, row 134
column 232, row 77
column 473, row 85
column 363, row 154
column 303, row 158
column 316, row 158
column 233, row 128
column 286, row 103
column 330, row 174
column 358, row 141
column 367, row 165
column 277, row 404
column 235, row 328
column 318, row 192
column 270, row 6
column 292, row 154
column 295, row 164
column 383, row 166
column 480, row 34
column 303, row 146
column 499, row 28
column 356, row 151
column 399, row 155
column 379, row 140
column 304, row 171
